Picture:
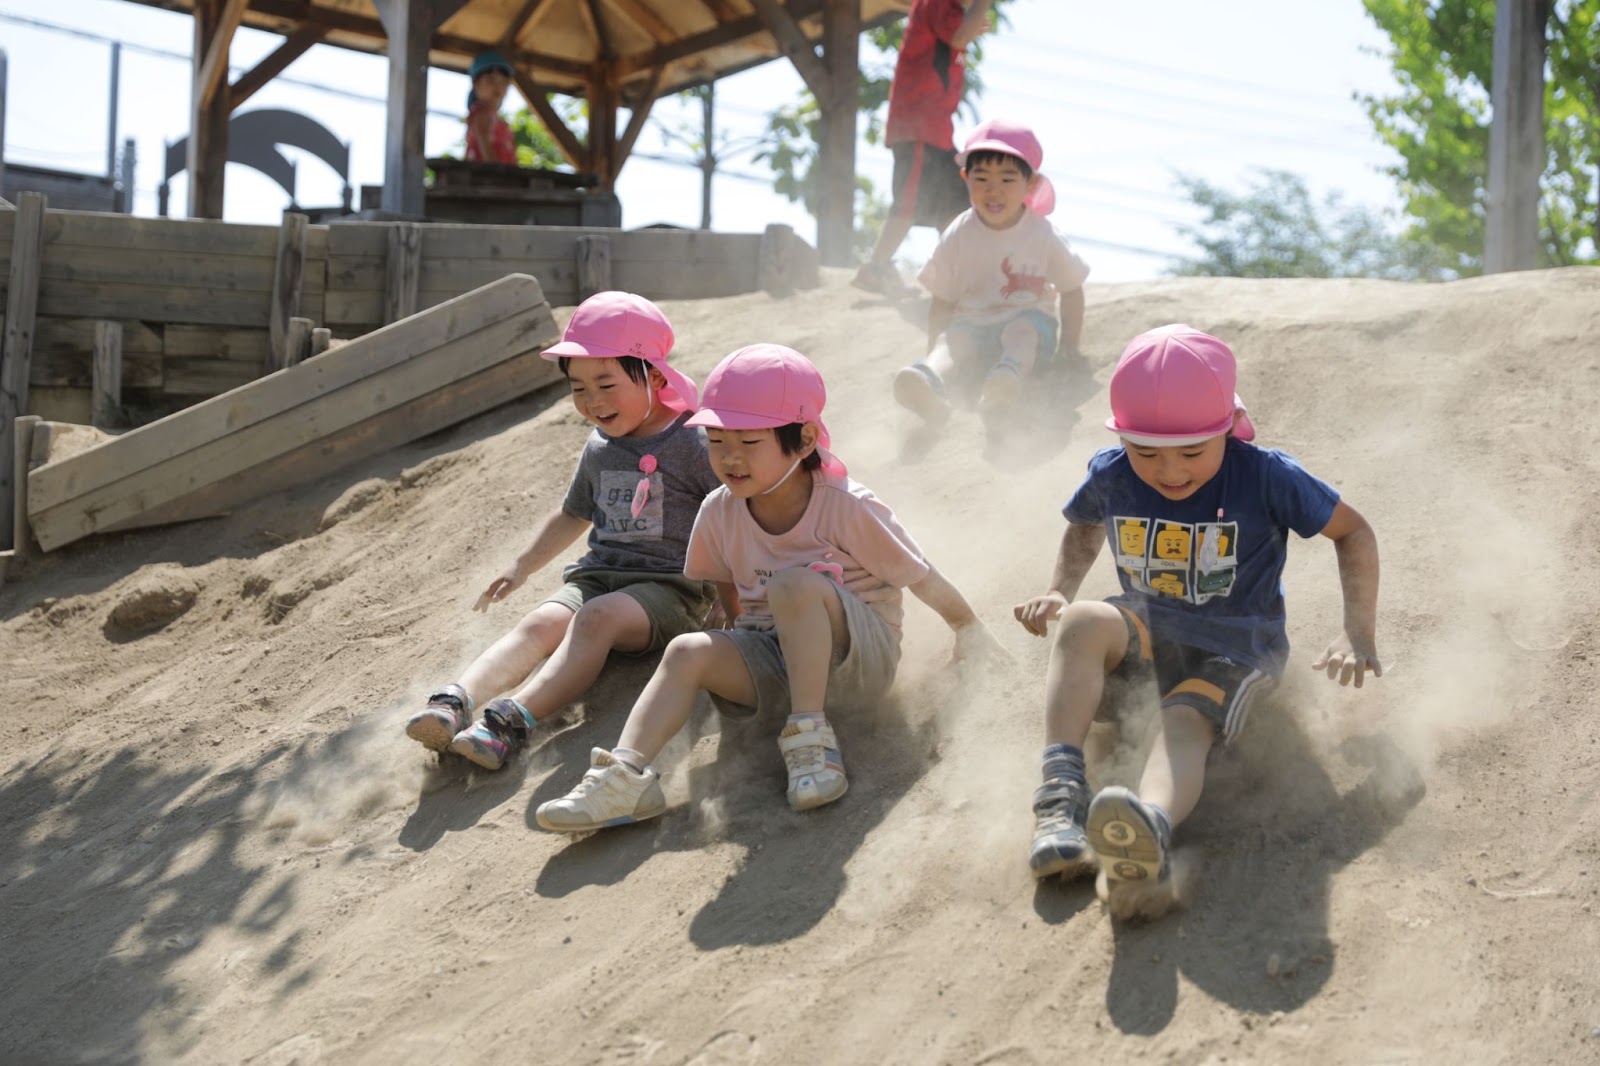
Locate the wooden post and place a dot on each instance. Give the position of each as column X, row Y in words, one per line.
column 214, row 24
column 594, row 266
column 410, row 25
column 1516, row 136
column 841, row 35
column 287, row 281
column 21, row 460
column 772, row 269
column 603, row 130
column 404, row 272
column 298, row 347
column 106, row 375
column 16, row 353
column 321, row 338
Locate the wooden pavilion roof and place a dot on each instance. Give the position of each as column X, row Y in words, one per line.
column 568, row 43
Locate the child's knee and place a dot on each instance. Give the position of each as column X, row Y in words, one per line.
column 796, row 586
column 605, row 616
column 1095, row 628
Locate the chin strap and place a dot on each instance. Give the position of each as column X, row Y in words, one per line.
column 792, row 467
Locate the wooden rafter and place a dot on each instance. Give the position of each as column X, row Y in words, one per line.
column 538, row 99
column 722, row 10
column 636, row 121
column 293, row 47
column 647, row 19
column 518, row 21
column 214, row 69
column 792, row 40
column 738, row 29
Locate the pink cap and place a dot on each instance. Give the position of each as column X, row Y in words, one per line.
column 1175, row 386
column 763, row 386
column 1013, row 138
column 609, row 325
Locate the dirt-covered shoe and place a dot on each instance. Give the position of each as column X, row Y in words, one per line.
column 1060, row 845
column 498, row 735
column 1002, row 388
column 609, row 794
column 918, row 389
column 1130, row 838
column 447, row 713
column 816, row 770
column 881, row 278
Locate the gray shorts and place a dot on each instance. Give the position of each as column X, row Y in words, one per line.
column 864, row 673
column 673, row 603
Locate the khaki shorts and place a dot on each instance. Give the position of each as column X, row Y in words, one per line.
column 863, row 674
column 673, row 603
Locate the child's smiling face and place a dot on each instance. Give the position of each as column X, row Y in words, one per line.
column 749, row 461
column 1177, row 473
column 996, row 189
column 605, row 395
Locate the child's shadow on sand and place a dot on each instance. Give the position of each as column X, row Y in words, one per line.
column 792, row 873
column 1273, row 829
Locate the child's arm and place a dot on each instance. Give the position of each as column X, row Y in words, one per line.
column 726, row 609
column 973, row 26
column 939, row 313
column 973, row 639
column 559, row 531
column 1080, row 546
column 1071, row 307
column 1355, row 651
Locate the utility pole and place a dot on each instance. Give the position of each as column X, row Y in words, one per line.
column 1516, row 136
column 708, row 155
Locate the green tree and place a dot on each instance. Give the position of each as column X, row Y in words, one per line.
column 1276, row 230
column 794, row 131
column 1442, row 53
column 535, row 146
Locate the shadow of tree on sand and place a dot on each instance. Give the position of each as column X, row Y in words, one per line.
column 112, row 869
column 1273, row 828
column 793, row 868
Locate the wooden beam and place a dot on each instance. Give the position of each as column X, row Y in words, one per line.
column 518, row 21
column 21, row 461
column 603, row 131
column 538, row 99
column 16, row 353
column 403, row 272
column 636, row 121
column 1516, row 136
column 792, row 41
column 321, row 339
column 214, row 68
column 722, row 10
column 410, row 25
column 293, row 47
column 837, row 153
column 287, row 283
column 594, row 266
column 647, row 20
column 298, row 348
column 725, row 33
column 105, row 399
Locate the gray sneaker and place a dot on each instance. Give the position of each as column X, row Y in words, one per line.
column 1130, row 839
column 609, row 794
column 1059, row 843
column 448, row 712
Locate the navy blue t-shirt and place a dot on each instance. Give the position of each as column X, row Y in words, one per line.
column 1226, row 596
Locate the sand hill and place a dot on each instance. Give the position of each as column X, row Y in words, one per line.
column 216, row 845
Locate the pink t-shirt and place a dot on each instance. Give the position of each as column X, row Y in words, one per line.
column 991, row 274
column 844, row 523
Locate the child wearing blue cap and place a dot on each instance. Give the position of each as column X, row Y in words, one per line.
column 489, row 138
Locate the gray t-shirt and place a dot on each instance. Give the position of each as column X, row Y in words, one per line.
column 602, row 493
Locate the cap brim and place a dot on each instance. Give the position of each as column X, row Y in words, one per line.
column 571, row 349
column 1169, row 440
column 714, row 419
column 992, row 146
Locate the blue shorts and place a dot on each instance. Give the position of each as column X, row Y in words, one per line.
column 983, row 339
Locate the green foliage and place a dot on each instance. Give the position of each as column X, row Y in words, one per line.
column 1442, row 54
column 536, row 148
column 1275, row 230
column 794, row 131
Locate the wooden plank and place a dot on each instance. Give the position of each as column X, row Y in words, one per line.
column 210, row 342
column 206, row 462
column 403, row 272
column 288, row 270
column 471, row 396
column 793, row 42
column 158, row 303
column 58, row 336
column 21, row 458
column 278, row 393
column 295, row 45
column 89, row 229
column 297, row 347
column 106, row 403
column 594, row 266
column 205, row 377
column 68, row 265
column 16, row 339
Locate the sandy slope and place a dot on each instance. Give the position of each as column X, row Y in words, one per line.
column 216, row 846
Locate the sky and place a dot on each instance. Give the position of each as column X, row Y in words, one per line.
column 1124, row 97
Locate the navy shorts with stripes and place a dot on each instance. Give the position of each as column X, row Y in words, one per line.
column 1212, row 684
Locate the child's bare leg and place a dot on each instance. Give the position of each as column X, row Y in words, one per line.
column 692, row 662
column 1174, row 774
column 809, row 617
column 1019, row 352
column 615, row 621
column 1091, row 639
column 1071, row 306
column 509, row 660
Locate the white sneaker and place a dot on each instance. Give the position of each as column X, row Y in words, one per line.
column 609, row 794
column 816, row 770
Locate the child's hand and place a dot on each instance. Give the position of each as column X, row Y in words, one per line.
column 1343, row 662
column 1037, row 614
column 975, row 644
column 500, row 588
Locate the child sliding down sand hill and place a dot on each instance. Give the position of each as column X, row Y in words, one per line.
column 639, row 483
column 818, row 563
column 1198, row 522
